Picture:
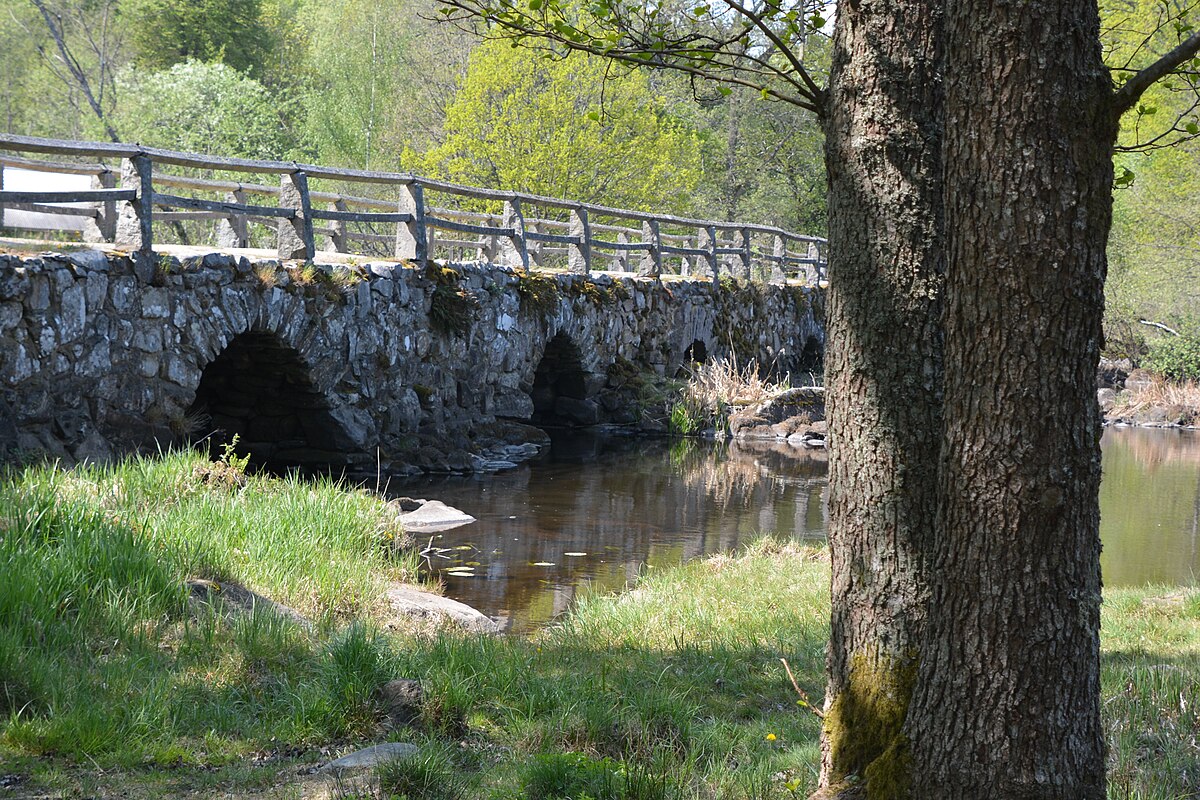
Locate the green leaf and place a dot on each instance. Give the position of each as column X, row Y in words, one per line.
column 1125, row 179
column 594, row 116
column 1192, row 128
column 534, row 5
column 765, row 94
column 725, row 91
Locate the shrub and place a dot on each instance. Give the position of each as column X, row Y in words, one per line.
column 1176, row 358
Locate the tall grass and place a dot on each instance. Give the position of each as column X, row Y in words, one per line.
column 713, row 390
column 101, row 652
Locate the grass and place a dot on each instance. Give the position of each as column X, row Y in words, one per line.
column 672, row 690
column 103, row 656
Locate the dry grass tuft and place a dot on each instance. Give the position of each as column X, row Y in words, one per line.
column 1181, row 401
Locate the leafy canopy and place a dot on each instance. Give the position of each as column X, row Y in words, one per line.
column 567, row 127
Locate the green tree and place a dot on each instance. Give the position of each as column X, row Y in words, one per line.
column 1154, row 261
column 208, row 108
column 379, row 77
column 566, row 127
column 168, row 32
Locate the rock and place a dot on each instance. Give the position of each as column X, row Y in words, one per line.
column 579, row 412
column 789, row 412
column 1107, row 398
column 371, row 757
column 1111, row 374
column 401, row 701
column 238, row 600
column 403, row 505
column 1138, row 379
column 434, row 516
column 497, row 465
column 91, row 260
column 413, row 603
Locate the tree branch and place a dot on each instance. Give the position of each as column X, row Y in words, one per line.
column 73, row 67
column 1136, row 86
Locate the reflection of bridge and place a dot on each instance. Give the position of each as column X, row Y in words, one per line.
column 344, row 361
column 426, row 217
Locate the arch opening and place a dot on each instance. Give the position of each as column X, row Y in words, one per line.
column 697, row 353
column 812, row 357
column 559, row 391
column 259, row 389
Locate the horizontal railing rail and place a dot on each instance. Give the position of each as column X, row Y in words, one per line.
column 515, row 228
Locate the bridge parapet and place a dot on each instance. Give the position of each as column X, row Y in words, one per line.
column 138, row 197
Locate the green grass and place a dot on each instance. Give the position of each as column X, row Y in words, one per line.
column 674, row 690
column 103, row 657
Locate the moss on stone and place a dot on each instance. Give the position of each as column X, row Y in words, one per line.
column 451, row 307
column 539, row 293
column 864, row 726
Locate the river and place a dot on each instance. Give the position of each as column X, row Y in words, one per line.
column 597, row 512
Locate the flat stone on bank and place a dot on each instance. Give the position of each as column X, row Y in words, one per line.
column 416, row 604
column 371, row 756
column 433, row 517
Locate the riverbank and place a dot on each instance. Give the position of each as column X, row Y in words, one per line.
column 673, row 689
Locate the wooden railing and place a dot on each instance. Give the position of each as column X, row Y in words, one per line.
column 132, row 193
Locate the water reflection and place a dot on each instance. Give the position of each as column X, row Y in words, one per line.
column 1150, row 506
column 597, row 512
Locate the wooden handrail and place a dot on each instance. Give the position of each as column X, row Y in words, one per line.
column 515, row 236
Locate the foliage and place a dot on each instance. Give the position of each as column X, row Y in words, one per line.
column 539, row 293
column 380, row 76
column 169, row 32
column 209, row 108
column 1176, row 358
column 565, row 127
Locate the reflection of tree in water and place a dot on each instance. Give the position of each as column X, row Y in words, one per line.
column 1150, row 507
column 626, row 504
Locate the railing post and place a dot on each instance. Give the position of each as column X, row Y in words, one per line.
column 620, row 260
column 707, row 240
column 233, row 232
column 579, row 257
column 134, row 229
column 778, row 263
column 337, row 239
column 1, row 190
column 514, row 253
column 489, row 253
column 412, row 237
column 746, row 254
column 296, row 234
column 652, row 258
column 102, row 228
column 535, row 245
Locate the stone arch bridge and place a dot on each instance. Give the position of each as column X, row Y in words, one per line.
column 353, row 365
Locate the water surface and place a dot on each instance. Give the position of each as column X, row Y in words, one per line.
column 596, row 513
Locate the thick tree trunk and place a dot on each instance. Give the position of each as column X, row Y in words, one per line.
column 1007, row 697
column 882, row 371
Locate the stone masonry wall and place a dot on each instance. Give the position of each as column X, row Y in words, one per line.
column 103, row 353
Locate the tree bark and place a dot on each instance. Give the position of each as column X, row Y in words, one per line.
column 1007, row 697
column 883, row 367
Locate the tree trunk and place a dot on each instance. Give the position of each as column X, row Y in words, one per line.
column 883, row 369
column 1007, row 697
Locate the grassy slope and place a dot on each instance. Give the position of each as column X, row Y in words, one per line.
column 673, row 689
